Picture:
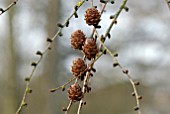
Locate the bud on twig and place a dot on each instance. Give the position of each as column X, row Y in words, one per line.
column 115, row 64
column 126, row 9
column 67, row 23
column 133, row 93
column 39, row 53
column 136, row 108
column 27, row 79
column 49, row 40
column 34, row 64
column 64, row 109
column 112, row 2
column 137, row 83
column 140, row 97
column 125, row 71
column 60, row 25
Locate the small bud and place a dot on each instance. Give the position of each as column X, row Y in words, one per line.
column 39, row 53
column 112, row 2
column 133, row 93
column 34, row 64
column 140, row 97
column 63, row 88
column 136, row 108
column 60, row 25
column 27, row 79
column 115, row 64
column 95, row 36
column 137, row 83
column 102, row 1
column 75, row 14
column 2, row 10
column 85, row 103
column 60, row 34
column 49, row 48
column 64, row 109
column 49, row 40
column 102, row 38
column 76, row 8
column 89, row 88
column 85, row 85
column 24, row 104
column 67, row 23
column 109, row 36
column 29, row 90
column 125, row 71
column 93, row 69
column 112, row 17
column 52, row 90
column 98, row 26
column 116, row 55
column 91, row 74
column 104, row 51
column 115, row 21
column 126, row 9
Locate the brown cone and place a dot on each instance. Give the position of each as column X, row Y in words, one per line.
column 77, row 39
column 78, row 68
column 90, row 48
column 75, row 93
column 92, row 16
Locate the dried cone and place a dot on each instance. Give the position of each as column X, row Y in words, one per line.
column 78, row 68
column 92, row 16
column 90, row 48
column 75, row 93
column 77, row 39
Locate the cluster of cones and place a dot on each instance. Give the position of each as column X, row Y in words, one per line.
column 89, row 48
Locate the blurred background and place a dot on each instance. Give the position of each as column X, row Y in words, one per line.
column 141, row 37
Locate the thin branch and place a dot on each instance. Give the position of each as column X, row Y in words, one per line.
column 69, row 106
column 35, row 64
column 115, row 17
column 8, row 7
column 85, row 84
column 62, row 86
column 133, row 83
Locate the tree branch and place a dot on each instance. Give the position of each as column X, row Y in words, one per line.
column 35, row 64
column 8, row 7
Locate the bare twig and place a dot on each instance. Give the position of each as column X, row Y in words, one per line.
column 69, row 106
column 35, row 64
column 133, row 83
column 114, row 21
column 8, row 7
column 62, row 86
